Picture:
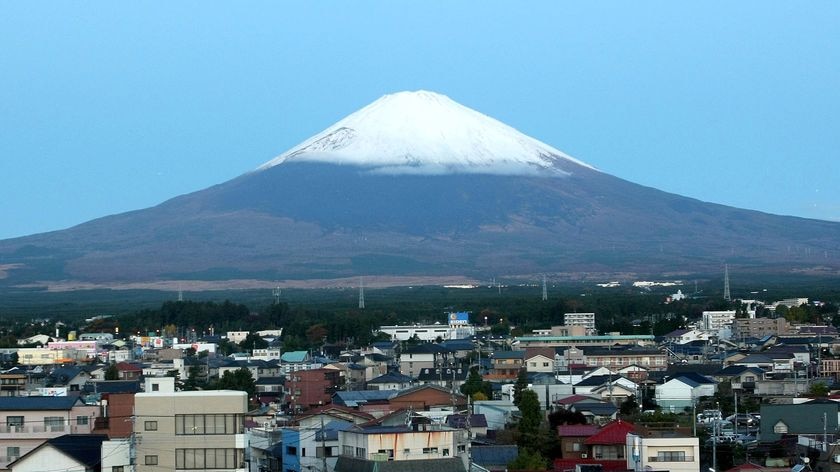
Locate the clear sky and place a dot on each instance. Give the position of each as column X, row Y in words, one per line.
column 107, row 107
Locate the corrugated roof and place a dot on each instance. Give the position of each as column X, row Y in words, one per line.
column 37, row 403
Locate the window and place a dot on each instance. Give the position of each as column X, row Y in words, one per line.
column 347, row 451
column 670, row 456
column 291, row 450
column 14, row 423
column 303, row 452
column 53, row 423
column 446, row 453
column 780, row 428
column 430, row 450
column 151, row 460
column 197, row 459
column 12, row 451
column 82, row 420
column 208, row 424
column 155, row 387
column 118, row 468
column 406, row 451
column 150, row 425
column 361, row 452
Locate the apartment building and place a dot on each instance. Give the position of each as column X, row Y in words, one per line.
column 675, row 454
column 744, row 328
column 311, row 388
column 28, row 422
column 190, row 430
column 586, row 320
column 441, row 447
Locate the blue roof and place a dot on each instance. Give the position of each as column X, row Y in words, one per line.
column 356, row 397
column 391, row 377
column 37, row 403
column 494, row 455
column 294, row 356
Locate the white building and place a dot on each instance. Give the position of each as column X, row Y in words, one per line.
column 675, row 454
column 428, row 332
column 587, row 320
column 716, row 323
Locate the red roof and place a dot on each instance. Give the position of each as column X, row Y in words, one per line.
column 126, row 367
column 566, row 430
column 561, row 465
column 612, row 433
column 573, row 399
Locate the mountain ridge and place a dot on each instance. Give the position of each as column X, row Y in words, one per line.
column 323, row 216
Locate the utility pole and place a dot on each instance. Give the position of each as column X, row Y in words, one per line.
column 323, row 445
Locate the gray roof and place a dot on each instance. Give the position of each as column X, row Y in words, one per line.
column 37, row 403
column 494, row 455
column 355, row 398
column 391, row 377
column 352, row 464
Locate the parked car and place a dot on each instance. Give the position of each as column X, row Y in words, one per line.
column 743, row 419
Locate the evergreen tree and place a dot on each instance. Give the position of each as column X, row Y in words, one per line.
column 520, row 385
column 531, row 417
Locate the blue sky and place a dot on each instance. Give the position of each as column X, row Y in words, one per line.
column 107, row 107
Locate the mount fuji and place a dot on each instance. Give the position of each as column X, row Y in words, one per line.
column 413, row 185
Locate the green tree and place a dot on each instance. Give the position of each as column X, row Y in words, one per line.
column 520, row 385
column 818, row 389
column 528, row 460
column 239, row 379
column 629, row 406
column 530, row 419
column 111, row 373
column 253, row 341
column 475, row 384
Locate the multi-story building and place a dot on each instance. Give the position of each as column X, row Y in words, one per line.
column 743, row 328
column 27, row 422
column 718, row 323
column 440, row 446
column 423, row 356
column 581, row 341
column 651, row 359
column 506, row 364
column 677, row 454
column 587, row 320
column 311, row 388
column 190, row 430
column 428, row 332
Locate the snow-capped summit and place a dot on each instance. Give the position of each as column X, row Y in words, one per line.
column 428, row 133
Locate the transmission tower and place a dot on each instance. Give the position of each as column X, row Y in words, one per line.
column 276, row 294
column 545, row 290
column 361, row 293
column 180, row 293
column 726, row 294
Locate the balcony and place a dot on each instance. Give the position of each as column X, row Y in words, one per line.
column 671, row 459
column 38, row 431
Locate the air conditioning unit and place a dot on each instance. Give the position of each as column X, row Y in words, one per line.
column 837, row 459
column 584, row 456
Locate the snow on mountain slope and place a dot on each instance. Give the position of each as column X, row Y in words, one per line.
column 428, row 133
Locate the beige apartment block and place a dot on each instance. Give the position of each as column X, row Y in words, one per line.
column 190, row 430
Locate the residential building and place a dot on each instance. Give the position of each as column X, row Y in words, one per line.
column 390, row 381
column 69, row 452
column 447, row 377
column 605, row 446
column 809, row 418
column 617, row 358
column 505, row 365
column 310, row 388
column 718, row 323
column 423, row 356
column 190, row 430
column 745, row 328
column 540, row 359
column 373, row 448
column 683, row 392
column 587, row 320
column 28, row 422
column 672, row 453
